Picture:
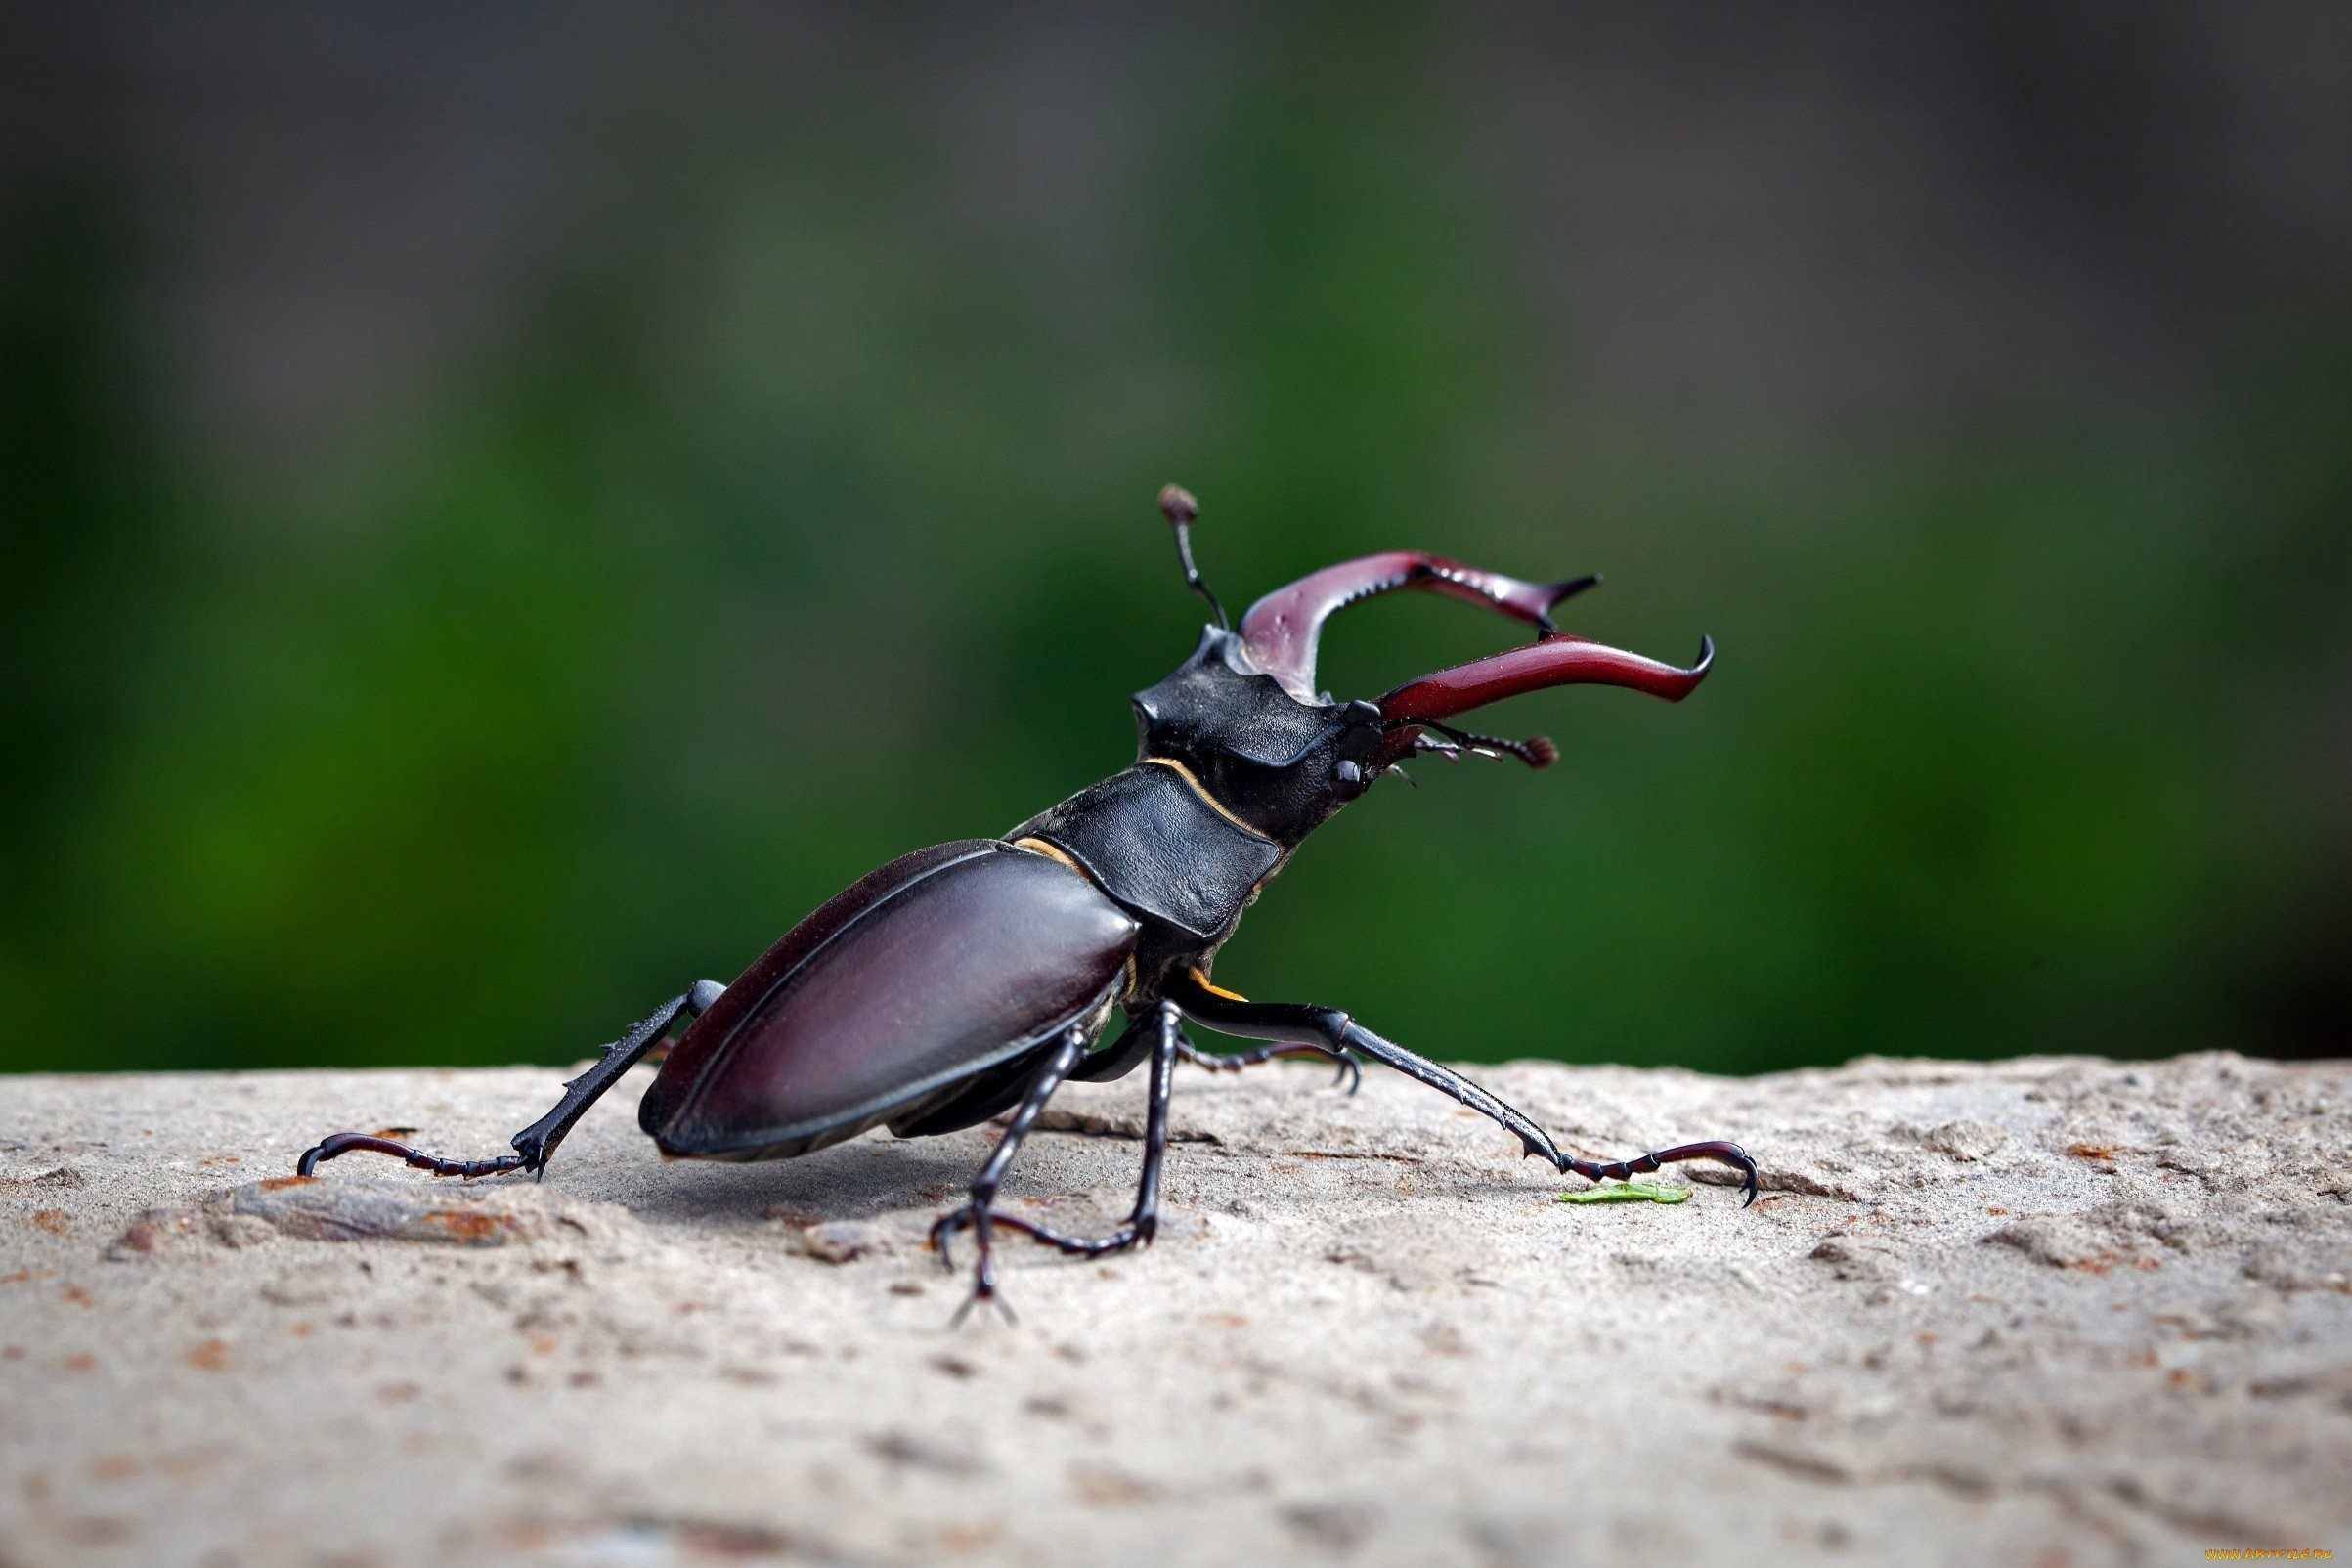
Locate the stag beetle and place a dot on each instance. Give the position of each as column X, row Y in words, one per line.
column 973, row 978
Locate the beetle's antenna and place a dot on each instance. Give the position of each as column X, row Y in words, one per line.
column 1537, row 751
column 1177, row 505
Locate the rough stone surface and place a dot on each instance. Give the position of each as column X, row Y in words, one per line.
column 2036, row 1312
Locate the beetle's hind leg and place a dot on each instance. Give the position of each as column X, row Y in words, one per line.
column 535, row 1143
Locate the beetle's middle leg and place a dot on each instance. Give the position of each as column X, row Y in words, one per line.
column 981, row 1212
column 1285, row 1021
column 1143, row 1222
column 535, row 1143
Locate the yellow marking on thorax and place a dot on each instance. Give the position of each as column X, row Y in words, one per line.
column 1051, row 851
column 1219, row 806
column 1201, row 979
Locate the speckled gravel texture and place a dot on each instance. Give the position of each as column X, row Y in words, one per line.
column 2038, row 1312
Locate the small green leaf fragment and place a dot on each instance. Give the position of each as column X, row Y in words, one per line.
column 1629, row 1192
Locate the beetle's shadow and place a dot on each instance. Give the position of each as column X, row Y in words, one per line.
column 864, row 1179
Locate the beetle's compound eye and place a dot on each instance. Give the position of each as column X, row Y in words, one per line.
column 1348, row 773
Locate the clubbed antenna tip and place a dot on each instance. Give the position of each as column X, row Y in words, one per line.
column 1537, row 751
column 1177, row 505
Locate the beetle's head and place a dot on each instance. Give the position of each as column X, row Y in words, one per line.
column 1242, row 715
column 1280, row 764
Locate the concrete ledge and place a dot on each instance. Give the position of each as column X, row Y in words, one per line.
column 2040, row 1310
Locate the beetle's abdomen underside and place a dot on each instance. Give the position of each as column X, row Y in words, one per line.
column 889, row 999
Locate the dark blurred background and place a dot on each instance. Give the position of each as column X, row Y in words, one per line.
column 504, row 509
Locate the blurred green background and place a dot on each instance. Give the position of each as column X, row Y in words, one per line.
column 503, row 509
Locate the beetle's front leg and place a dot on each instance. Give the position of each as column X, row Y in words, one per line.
column 1351, row 1072
column 1287, row 1020
column 980, row 1213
